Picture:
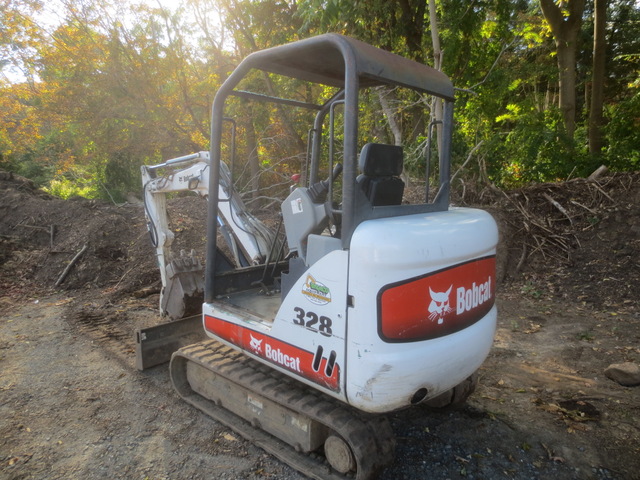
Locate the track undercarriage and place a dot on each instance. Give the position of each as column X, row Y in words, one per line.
column 311, row 432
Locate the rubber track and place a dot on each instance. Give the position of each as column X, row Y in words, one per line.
column 369, row 436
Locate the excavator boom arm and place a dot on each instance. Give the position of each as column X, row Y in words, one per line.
column 248, row 239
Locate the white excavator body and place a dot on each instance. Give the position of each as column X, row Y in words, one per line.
column 405, row 315
column 376, row 298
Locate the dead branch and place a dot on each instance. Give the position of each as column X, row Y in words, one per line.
column 469, row 157
column 122, row 277
column 485, row 178
column 35, row 227
column 538, row 248
column 146, row 291
column 601, row 170
column 464, row 189
column 51, row 231
column 558, row 206
column 583, row 206
column 523, row 257
column 71, row 264
column 597, row 187
column 272, row 201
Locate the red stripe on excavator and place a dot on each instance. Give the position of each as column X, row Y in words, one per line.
column 437, row 304
column 277, row 352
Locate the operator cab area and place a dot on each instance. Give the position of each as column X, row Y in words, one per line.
column 332, row 93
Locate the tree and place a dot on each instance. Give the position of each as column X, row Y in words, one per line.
column 20, row 37
column 92, row 97
column 565, row 20
column 598, row 76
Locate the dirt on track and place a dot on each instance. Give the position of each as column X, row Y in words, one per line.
column 73, row 405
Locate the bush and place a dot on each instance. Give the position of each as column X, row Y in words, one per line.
column 536, row 148
column 622, row 135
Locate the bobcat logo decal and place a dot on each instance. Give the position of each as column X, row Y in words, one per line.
column 255, row 344
column 439, row 305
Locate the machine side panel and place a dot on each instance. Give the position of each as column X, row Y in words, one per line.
column 306, row 339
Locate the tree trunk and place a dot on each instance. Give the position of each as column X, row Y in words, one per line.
column 566, row 52
column 599, row 48
column 389, row 114
column 435, row 35
column 436, row 106
column 565, row 31
column 393, row 123
column 254, row 161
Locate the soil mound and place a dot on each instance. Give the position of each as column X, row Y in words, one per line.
column 578, row 239
column 40, row 234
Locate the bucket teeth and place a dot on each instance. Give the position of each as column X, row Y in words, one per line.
column 183, row 293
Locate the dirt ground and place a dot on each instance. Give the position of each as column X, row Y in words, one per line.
column 72, row 404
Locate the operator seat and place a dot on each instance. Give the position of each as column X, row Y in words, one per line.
column 381, row 166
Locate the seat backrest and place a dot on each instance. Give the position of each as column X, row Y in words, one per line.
column 381, row 166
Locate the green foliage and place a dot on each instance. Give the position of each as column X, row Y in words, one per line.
column 74, row 184
column 27, row 165
column 623, row 55
column 623, row 134
column 587, row 336
column 535, row 148
column 98, row 97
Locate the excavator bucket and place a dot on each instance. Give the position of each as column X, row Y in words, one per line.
column 183, row 293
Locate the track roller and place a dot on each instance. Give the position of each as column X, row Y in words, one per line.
column 339, row 454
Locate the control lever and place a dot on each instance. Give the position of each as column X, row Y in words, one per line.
column 318, row 191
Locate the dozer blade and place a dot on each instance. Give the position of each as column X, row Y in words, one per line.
column 282, row 416
column 155, row 345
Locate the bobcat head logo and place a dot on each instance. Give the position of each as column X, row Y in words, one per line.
column 255, row 344
column 439, row 305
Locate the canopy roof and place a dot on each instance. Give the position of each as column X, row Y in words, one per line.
column 325, row 59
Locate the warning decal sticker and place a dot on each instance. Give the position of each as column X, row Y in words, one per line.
column 317, row 368
column 437, row 304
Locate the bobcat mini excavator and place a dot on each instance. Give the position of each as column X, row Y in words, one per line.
column 380, row 300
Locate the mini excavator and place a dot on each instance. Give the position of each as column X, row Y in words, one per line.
column 369, row 303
